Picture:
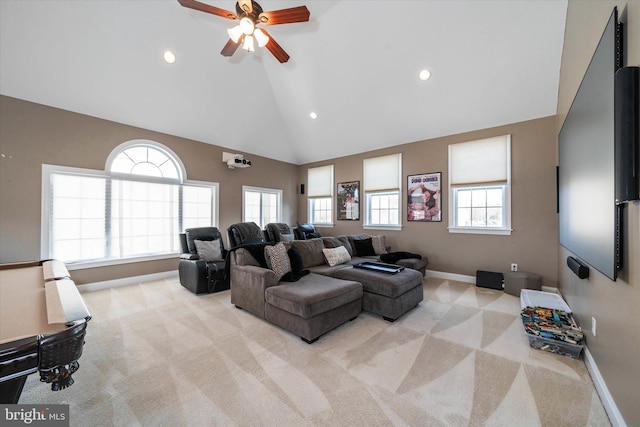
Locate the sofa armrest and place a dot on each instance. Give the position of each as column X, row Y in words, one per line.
column 248, row 283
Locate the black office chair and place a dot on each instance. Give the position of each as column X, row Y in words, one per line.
column 197, row 274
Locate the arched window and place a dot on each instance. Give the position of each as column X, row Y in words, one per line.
column 146, row 158
column 136, row 208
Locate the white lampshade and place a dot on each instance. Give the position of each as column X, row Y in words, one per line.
column 235, row 33
column 247, row 26
column 248, row 44
column 261, row 37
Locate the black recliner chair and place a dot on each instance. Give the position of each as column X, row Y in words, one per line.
column 278, row 232
column 306, row 231
column 197, row 274
column 243, row 233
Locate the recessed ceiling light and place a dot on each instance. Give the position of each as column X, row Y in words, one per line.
column 424, row 74
column 313, row 115
column 169, row 57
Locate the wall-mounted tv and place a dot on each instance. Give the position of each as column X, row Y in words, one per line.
column 588, row 215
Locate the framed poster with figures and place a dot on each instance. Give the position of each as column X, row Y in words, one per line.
column 424, row 197
column 348, row 201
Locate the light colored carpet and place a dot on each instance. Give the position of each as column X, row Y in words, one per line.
column 157, row 355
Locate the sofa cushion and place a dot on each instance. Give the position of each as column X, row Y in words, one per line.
column 244, row 257
column 209, row 250
column 277, row 259
column 313, row 295
column 310, row 251
column 379, row 244
column 345, row 242
column 335, row 256
column 364, row 247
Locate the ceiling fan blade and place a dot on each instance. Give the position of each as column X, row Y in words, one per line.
column 230, row 48
column 202, row 7
column 285, row 16
column 246, row 5
column 276, row 49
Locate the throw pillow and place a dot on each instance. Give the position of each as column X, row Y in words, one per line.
column 336, row 256
column 295, row 259
column 379, row 244
column 286, row 237
column 209, row 250
column 364, row 247
column 277, row 259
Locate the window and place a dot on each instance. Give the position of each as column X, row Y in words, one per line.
column 320, row 195
column 480, row 187
column 261, row 205
column 382, row 189
column 134, row 209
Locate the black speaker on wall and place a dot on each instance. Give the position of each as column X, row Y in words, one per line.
column 627, row 130
column 301, row 188
column 580, row 270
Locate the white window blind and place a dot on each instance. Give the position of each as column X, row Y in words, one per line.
column 320, row 181
column 482, row 161
column 382, row 173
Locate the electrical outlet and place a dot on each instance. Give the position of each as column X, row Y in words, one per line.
column 514, row 267
column 593, row 326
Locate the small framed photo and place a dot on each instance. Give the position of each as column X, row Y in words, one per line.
column 348, row 201
column 424, row 197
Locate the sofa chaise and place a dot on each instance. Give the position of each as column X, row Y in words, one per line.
column 310, row 287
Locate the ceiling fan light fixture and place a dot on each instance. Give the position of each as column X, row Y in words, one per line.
column 247, row 26
column 235, row 33
column 261, row 37
column 248, row 44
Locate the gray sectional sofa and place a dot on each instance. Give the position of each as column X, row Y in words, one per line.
column 321, row 289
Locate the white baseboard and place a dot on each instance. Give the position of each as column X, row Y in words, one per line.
column 126, row 281
column 607, row 400
column 450, row 276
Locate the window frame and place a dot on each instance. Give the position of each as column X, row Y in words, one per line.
column 367, row 225
column 48, row 171
column 328, row 198
column 263, row 190
column 506, row 229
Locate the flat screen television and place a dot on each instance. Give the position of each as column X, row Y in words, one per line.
column 588, row 215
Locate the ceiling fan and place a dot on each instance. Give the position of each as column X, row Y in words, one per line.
column 250, row 15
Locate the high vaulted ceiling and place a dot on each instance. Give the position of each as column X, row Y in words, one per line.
column 355, row 63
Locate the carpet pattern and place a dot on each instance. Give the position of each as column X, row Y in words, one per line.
column 158, row 355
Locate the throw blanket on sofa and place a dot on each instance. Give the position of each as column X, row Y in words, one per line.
column 257, row 251
column 392, row 257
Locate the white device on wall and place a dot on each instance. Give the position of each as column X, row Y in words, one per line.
column 235, row 161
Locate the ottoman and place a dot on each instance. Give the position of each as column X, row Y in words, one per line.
column 414, row 263
column 313, row 305
column 390, row 295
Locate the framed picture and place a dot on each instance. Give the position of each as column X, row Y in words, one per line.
column 424, row 198
column 348, row 201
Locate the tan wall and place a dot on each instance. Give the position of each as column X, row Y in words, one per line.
column 33, row 134
column 534, row 220
column 616, row 346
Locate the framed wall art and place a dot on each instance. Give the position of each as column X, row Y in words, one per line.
column 348, row 201
column 424, row 198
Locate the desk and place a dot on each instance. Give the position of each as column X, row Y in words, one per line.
column 36, row 334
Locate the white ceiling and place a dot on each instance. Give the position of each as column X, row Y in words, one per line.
column 355, row 63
